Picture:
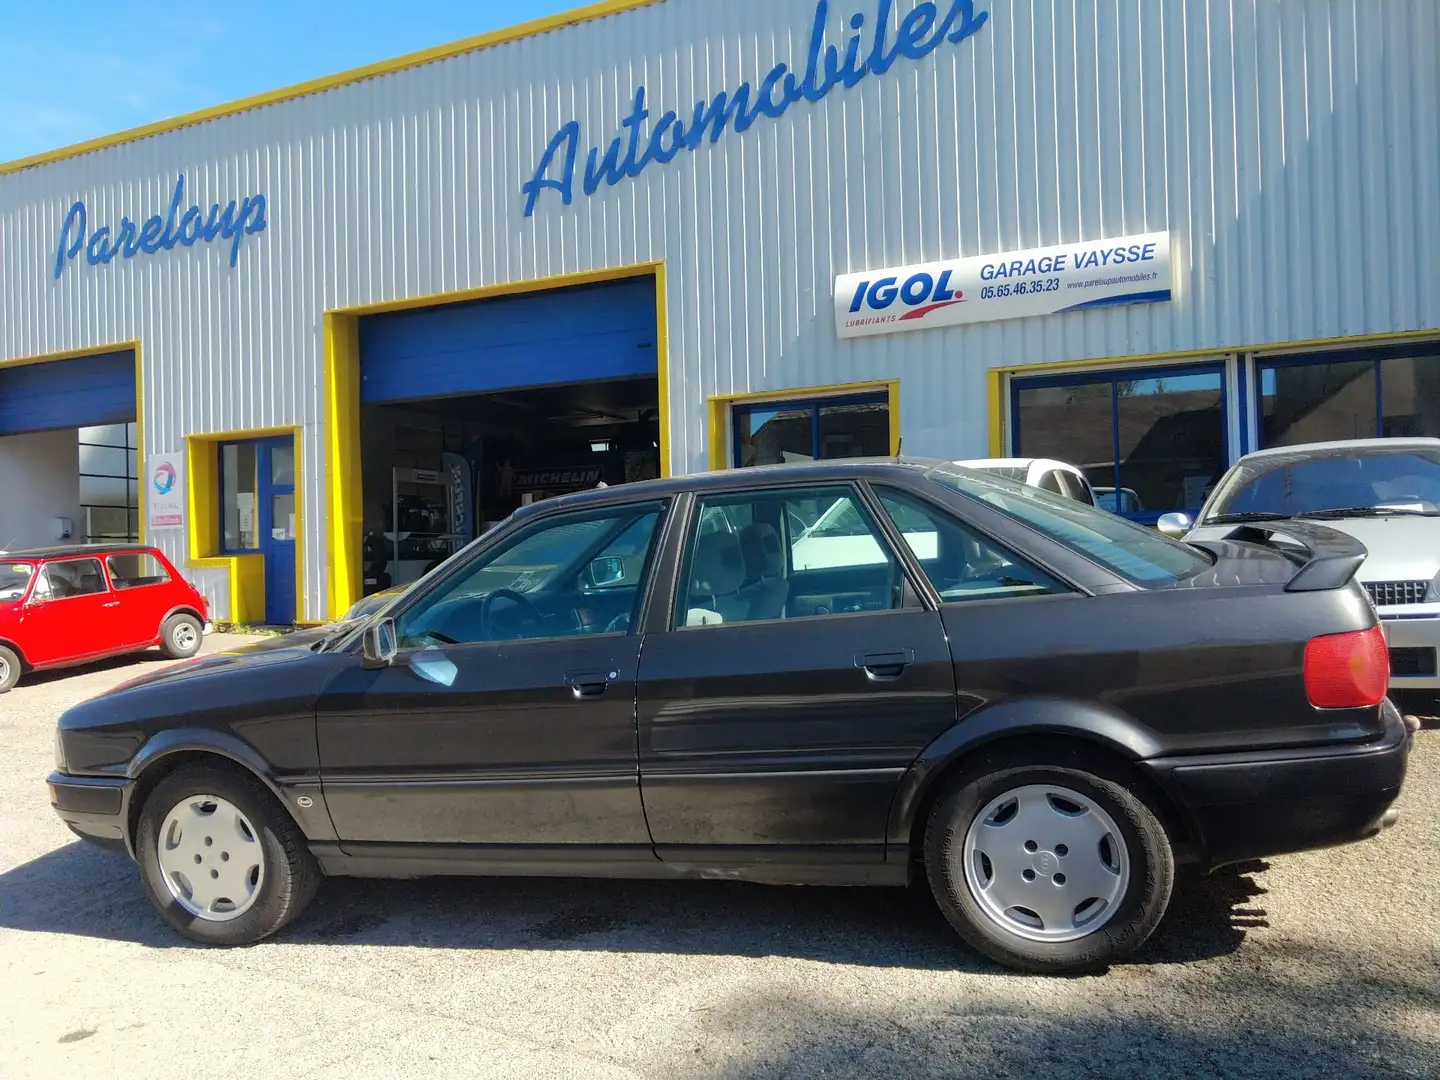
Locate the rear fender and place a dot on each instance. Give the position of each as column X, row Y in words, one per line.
column 1089, row 721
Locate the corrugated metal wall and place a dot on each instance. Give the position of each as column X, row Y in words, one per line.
column 1290, row 146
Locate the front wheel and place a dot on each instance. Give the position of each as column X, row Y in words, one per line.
column 1048, row 868
column 180, row 637
column 221, row 859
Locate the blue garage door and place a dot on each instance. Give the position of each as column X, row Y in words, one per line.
column 570, row 335
column 86, row 391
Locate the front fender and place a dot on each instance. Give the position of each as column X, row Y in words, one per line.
column 293, row 794
column 1091, row 721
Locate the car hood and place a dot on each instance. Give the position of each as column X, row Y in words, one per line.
column 1401, row 548
column 285, row 648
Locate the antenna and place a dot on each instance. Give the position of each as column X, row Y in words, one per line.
column 899, row 447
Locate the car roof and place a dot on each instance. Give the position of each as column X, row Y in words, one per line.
column 64, row 551
column 758, row 476
column 1340, row 446
column 1018, row 463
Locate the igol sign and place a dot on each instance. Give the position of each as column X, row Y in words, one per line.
column 921, row 32
column 1070, row 277
column 233, row 223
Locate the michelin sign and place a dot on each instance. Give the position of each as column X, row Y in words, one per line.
column 1012, row 285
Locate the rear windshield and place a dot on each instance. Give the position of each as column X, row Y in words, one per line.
column 14, row 579
column 1133, row 551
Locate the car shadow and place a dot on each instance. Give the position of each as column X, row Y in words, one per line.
column 112, row 663
column 85, row 891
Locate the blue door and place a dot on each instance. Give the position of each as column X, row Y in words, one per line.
column 276, row 468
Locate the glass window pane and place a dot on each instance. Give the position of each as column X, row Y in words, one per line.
column 838, row 564
column 75, row 577
column 1303, row 403
column 555, row 579
column 1306, row 482
column 1172, row 438
column 134, row 570
column 855, row 431
column 1074, row 423
column 1410, row 396
column 961, row 563
column 282, row 466
column 104, row 460
column 14, row 580
column 107, row 523
column 240, row 517
column 775, row 435
column 282, row 517
column 108, row 435
column 104, row 491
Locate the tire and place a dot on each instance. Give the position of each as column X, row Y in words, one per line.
column 279, row 890
column 180, row 636
column 1122, row 870
column 9, row 668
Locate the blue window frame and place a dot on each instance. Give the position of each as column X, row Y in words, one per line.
column 810, row 429
column 1150, row 440
column 1378, row 392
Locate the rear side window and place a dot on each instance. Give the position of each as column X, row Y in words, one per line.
column 1132, row 551
column 134, row 570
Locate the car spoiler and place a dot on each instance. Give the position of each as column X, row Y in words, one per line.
column 1331, row 556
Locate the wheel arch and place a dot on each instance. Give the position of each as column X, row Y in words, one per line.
column 171, row 750
column 14, row 647
column 181, row 609
column 1087, row 728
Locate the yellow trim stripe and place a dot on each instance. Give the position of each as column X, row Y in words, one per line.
column 331, row 82
column 718, row 411
column 345, row 536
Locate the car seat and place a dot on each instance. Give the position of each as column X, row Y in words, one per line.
column 765, row 588
column 716, row 575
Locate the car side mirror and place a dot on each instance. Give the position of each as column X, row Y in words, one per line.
column 378, row 645
column 1174, row 525
column 606, row 571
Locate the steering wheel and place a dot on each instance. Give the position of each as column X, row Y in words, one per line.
column 487, row 607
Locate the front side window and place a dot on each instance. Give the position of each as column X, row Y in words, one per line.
column 135, row 569
column 802, row 553
column 14, row 580
column 1357, row 482
column 566, row 576
column 1132, row 551
column 961, row 563
column 69, row 578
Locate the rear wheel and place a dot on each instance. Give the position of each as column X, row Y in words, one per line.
column 221, row 859
column 9, row 668
column 1048, row 868
column 180, row 637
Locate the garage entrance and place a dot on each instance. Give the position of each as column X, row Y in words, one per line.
column 68, row 451
column 470, row 410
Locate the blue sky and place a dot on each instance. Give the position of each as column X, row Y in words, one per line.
column 72, row 70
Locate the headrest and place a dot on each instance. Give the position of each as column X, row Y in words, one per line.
column 760, row 544
column 719, row 569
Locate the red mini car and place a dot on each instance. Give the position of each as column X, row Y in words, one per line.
column 68, row 605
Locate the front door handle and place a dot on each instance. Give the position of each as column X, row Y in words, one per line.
column 590, row 684
column 884, row 666
column 113, row 603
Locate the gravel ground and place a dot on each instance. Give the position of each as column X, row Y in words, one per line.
column 1317, row 965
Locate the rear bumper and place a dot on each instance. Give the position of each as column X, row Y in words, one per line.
column 95, row 808
column 1250, row 806
column 1414, row 650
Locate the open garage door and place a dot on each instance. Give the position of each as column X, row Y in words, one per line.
column 84, row 391
column 575, row 335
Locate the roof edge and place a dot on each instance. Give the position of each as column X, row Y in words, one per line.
column 532, row 28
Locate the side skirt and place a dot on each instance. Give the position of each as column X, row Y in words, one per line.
column 587, row 861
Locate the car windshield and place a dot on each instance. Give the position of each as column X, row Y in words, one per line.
column 1357, row 482
column 1141, row 555
column 1009, row 472
column 14, row 580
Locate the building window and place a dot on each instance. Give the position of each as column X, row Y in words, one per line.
column 812, row 429
column 109, row 485
column 239, row 490
column 1150, row 440
column 1382, row 392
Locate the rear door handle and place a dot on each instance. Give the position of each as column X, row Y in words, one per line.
column 885, row 665
column 590, row 684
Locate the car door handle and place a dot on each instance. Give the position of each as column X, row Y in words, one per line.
column 113, row 603
column 590, row 684
column 886, row 665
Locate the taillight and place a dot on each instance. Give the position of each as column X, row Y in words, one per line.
column 1347, row 671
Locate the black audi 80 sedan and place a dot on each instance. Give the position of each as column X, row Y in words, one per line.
column 861, row 673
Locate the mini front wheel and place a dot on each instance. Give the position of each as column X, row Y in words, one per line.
column 1048, row 868
column 221, row 859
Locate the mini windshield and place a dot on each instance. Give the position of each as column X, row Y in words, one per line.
column 1355, row 482
column 1141, row 555
column 14, row 580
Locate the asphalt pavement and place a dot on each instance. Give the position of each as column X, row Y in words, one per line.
column 1325, row 964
